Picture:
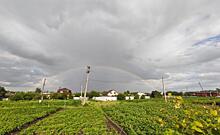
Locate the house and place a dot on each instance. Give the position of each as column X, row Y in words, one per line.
column 206, row 94
column 129, row 98
column 112, row 93
column 147, row 97
column 104, row 98
column 140, row 94
column 64, row 91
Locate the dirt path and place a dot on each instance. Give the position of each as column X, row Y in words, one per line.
column 112, row 125
column 28, row 124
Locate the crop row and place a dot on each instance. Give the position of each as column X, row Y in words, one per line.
column 45, row 103
column 14, row 118
column 79, row 120
column 158, row 117
column 15, row 114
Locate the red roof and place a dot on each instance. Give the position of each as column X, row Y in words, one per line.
column 64, row 90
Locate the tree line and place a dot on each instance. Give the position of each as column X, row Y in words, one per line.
column 37, row 94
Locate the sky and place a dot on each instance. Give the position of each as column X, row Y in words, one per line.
column 129, row 44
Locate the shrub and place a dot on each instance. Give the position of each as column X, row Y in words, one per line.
column 156, row 94
column 121, row 96
column 25, row 96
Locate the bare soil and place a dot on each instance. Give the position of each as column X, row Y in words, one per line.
column 112, row 125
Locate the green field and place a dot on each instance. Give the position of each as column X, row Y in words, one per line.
column 138, row 117
column 85, row 120
column 158, row 117
column 15, row 114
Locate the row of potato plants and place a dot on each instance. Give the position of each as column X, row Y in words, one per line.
column 14, row 114
column 203, row 100
column 14, row 118
column 158, row 117
column 47, row 103
column 78, row 120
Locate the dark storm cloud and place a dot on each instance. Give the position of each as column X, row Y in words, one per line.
column 132, row 42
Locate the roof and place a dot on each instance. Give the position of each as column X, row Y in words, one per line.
column 111, row 91
column 64, row 90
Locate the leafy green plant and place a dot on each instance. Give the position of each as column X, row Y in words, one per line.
column 157, row 117
column 84, row 120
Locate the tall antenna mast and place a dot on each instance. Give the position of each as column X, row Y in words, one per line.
column 86, row 87
column 164, row 92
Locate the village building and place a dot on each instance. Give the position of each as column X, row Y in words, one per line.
column 112, row 93
column 104, row 98
column 140, row 94
column 129, row 98
column 206, row 94
column 64, row 91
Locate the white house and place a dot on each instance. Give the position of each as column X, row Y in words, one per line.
column 112, row 93
column 140, row 94
column 105, row 98
column 147, row 97
column 129, row 98
column 80, row 98
column 76, row 98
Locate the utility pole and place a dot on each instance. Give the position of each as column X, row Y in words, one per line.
column 44, row 83
column 201, row 86
column 86, row 87
column 81, row 89
column 164, row 92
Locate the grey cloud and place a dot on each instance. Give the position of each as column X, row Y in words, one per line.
column 133, row 41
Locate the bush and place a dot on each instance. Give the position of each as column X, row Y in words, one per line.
column 2, row 92
column 156, row 94
column 37, row 97
column 61, row 96
column 17, row 96
column 93, row 94
column 136, row 96
column 25, row 96
column 121, row 96
column 143, row 97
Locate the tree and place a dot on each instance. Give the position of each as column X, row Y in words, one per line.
column 136, row 96
column 188, row 94
column 58, row 96
column 93, row 94
column 121, row 96
column 77, row 94
column 38, row 90
column 105, row 93
column 17, row 96
column 25, row 96
column 143, row 97
column 2, row 92
column 127, row 93
column 175, row 93
column 156, row 94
